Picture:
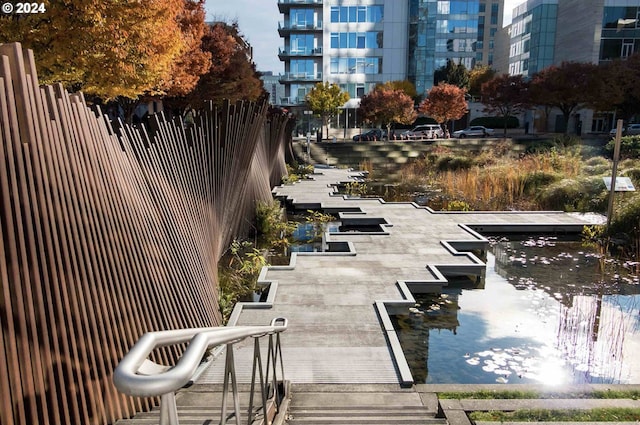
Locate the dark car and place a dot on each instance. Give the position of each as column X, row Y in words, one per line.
column 371, row 135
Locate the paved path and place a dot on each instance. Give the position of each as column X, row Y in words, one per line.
column 337, row 302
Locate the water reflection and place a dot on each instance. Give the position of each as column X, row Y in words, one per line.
column 550, row 312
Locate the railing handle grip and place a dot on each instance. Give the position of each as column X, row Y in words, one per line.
column 280, row 321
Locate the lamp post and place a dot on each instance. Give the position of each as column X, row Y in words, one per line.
column 309, row 113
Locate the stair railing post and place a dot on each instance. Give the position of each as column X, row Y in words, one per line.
column 168, row 409
column 230, row 373
column 257, row 367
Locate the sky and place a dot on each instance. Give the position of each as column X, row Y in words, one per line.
column 258, row 22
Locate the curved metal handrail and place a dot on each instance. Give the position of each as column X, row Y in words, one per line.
column 136, row 375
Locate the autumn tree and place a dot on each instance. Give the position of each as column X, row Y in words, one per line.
column 325, row 100
column 192, row 62
column 405, row 85
column 107, row 49
column 232, row 75
column 386, row 105
column 506, row 95
column 567, row 87
column 620, row 87
column 444, row 102
column 479, row 75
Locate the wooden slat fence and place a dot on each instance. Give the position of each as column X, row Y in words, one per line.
column 109, row 231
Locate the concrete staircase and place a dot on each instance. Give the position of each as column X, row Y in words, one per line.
column 202, row 405
column 360, row 404
column 387, row 156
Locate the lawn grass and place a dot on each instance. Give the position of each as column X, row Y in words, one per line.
column 530, row 394
column 542, row 415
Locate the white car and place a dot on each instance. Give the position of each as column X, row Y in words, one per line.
column 473, row 131
column 425, row 131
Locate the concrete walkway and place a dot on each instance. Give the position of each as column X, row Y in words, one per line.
column 337, row 303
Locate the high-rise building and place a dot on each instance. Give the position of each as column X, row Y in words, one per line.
column 549, row 32
column 360, row 43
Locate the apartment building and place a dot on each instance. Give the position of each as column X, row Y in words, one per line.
column 360, row 43
column 548, row 32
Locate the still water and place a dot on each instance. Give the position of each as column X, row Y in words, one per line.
column 546, row 312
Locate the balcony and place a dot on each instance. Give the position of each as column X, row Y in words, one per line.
column 285, row 5
column 287, row 28
column 289, row 77
column 292, row 101
column 309, row 53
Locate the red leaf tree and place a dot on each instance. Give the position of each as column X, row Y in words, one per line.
column 567, row 87
column 444, row 102
column 386, row 105
column 506, row 95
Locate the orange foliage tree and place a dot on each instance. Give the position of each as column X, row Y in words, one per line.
column 232, row 75
column 387, row 105
column 116, row 50
column 444, row 102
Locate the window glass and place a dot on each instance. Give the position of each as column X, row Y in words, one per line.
column 353, row 14
column 375, row 14
column 301, row 17
column 343, row 40
column 344, row 14
column 620, row 17
column 335, row 14
column 335, row 40
column 362, row 14
column 444, row 7
column 360, row 40
column 482, row 7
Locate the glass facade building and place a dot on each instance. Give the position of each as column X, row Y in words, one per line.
column 533, row 36
column 445, row 30
column 360, row 43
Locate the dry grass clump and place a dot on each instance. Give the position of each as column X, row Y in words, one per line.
column 507, row 183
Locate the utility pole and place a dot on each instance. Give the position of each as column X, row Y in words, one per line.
column 614, row 172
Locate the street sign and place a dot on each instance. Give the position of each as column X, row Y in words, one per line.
column 623, row 184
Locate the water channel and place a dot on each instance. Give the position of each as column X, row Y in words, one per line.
column 548, row 311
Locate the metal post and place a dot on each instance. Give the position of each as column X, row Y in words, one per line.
column 614, row 172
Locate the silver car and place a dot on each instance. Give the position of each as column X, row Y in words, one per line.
column 473, row 131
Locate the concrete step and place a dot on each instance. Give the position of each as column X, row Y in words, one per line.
column 360, row 404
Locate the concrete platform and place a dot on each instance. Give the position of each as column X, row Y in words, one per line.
column 337, row 303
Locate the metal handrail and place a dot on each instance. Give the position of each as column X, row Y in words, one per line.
column 136, row 375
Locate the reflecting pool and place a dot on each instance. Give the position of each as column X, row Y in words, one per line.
column 547, row 312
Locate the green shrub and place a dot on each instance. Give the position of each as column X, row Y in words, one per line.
column 566, row 140
column 626, row 216
column 496, row 122
column 540, row 146
column 633, row 174
column 596, row 166
column 458, row 206
column 585, row 194
column 629, row 147
column 537, row 180
column 454, row 163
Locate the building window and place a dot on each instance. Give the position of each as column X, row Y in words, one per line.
column 369, row 65
column 372, row 14
column 302, row 44
column 356, row 40
column 482, row 8
column 627, row 48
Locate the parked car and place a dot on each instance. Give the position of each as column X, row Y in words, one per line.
column 425, row 131
column 473, row 131
column 630, row 130
column 371, row 135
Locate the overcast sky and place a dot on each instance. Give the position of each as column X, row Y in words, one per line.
column 258, row 21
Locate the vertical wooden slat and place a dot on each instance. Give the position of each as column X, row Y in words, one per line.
column 106, row 236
